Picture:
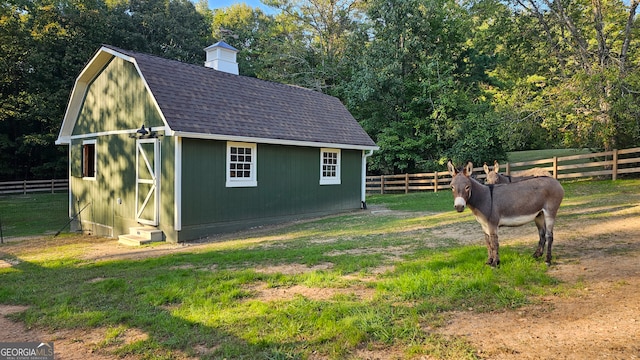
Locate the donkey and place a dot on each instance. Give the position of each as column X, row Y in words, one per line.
column 536, row 199
column 494, row 177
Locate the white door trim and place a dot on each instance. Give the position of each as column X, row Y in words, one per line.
column 151, row 161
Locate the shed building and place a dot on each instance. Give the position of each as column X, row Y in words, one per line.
column 164, row 150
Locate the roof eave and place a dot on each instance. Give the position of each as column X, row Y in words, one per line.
column 88, row 73
column 259, row 140
column 63, row 140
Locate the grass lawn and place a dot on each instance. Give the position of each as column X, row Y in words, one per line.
column 387, row 278
column 33, row 214
column 530, row 155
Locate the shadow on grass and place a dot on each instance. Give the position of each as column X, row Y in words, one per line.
column 187, row 305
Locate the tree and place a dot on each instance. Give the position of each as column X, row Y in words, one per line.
column 250, row 31
column 580, row 82
column 314, row 37
column 34, row 58
column 412, row 88
column 45, row 44
column 172, row 29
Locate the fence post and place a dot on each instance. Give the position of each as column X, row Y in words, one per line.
column 24, row 187
column 555, row 167
column 508, row 169
column 435, row 182
column 406, row 183
column 614, row 168
column 381, row 184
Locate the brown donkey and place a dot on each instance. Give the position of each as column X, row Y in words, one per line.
column 494, row 177
column 536, row 199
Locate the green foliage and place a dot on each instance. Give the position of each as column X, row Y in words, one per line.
column 44, row 45
column 172, row 29
column 568, row 85
column 411, row 87
column 310, row 42
column 248, row 30
column 478, row 140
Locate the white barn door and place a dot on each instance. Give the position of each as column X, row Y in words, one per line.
column 147, row 181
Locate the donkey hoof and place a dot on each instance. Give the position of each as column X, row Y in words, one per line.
column 493, row 263
column 537, row 254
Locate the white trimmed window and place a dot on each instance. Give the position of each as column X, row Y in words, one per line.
column 241, row 164
column 89, row 159
column 329, row 166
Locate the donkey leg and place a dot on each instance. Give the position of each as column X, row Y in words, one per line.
column 495, row 246
column 550, row 220
column 494, row 257
column 549, row 243
column 487, row 241
column 540, row 224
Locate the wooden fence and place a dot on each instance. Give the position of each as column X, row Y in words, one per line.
column 32, row 186
column 607, row 164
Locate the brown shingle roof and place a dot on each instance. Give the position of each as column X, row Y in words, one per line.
column 197, row 99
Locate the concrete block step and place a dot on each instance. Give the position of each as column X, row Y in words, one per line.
column 133, row 240
column 140, row 236
column 152, row 234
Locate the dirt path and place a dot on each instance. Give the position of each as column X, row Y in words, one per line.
column 601, row 321
column 597, row 318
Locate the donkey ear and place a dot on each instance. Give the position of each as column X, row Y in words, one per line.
column 451, row 168
column 496, row 166
column 486, row 169
column 468, row 169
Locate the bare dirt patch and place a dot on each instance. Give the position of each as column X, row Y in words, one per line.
column 67, row 344
column 392, row 252
column 291, row 269
column 264, row 293
column 598, row 317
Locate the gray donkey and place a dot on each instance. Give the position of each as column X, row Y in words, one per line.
column 536, row 199
column 494, row 176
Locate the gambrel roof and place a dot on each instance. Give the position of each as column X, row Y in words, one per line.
column 201, row 102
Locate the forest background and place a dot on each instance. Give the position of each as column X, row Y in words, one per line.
column 428, row 80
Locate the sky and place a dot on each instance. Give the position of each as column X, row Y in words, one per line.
column 215, row 4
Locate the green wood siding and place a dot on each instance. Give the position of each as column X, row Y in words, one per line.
column 288, row 186
column 117, row 100
column 75, row 158
column 115, row 179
